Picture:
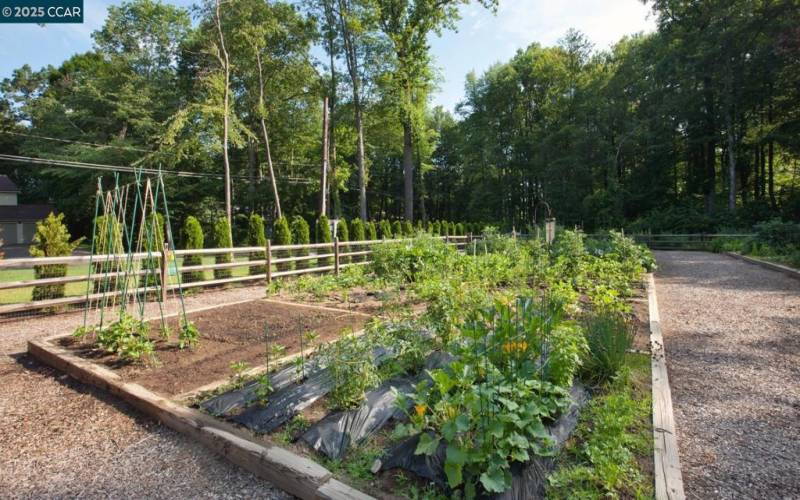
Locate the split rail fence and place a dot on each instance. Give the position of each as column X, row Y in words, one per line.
column 165, row 270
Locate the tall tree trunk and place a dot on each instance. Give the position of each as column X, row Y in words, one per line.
column 408, row 170
column 333, row 189
column 262, row 112
column 771, row 175
column 731, row 162
column 351, row 57
column 225, row 62
column 323, row 183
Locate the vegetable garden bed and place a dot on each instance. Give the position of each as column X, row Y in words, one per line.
column 474, row 394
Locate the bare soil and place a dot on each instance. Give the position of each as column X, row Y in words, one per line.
column 228, row 334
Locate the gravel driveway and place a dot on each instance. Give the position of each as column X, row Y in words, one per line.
column 732, row 335
column 60, row 438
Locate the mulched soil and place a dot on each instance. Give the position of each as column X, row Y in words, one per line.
column 63, row 439
column 228, row 335
column 733, row 353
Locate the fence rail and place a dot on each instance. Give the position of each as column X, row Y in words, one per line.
column 685, row 241
column 164, row 270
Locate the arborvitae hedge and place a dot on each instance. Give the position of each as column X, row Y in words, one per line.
column 444, row 228
column 371, row 231
column 408, row 229
column 282, row 235
column 436, row 228
column 460, row 229
column 397, row 229
column 357, row 233
column 420, row 226
column 256, row 238
column 51, row 240
column 429, row 227
column 301, row 235
column 222, row 239
column 324, row 236
column 343, row 233
column 193, row 239
column 385, row 230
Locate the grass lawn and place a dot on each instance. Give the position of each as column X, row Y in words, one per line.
column 18, row 295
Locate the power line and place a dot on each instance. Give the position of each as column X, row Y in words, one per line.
column 128, row 169
column 132, row 148
column 70, row 141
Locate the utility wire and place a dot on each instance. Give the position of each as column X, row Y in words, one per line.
column 129, row 169
column 132, row 148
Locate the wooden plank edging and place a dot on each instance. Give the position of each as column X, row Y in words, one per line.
column 666, row 456
column 292, row 473
column 788, row 271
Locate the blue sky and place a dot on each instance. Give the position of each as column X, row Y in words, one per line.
column 481, row 40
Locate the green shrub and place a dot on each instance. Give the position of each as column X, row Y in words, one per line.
column 282, row 235
column 419, row 227
column 408, row 229
column 324, row 236
column 436, row 228
column 444, row 227
column 192, row 236
column 567, row 350
column 778, row 234
column 222, row 239
column 256, row 238
column 343, row 233
column 371, row 230
column 408, row 261
column 429, row 227
column 52, row 239
column 384, row 230
column 301, row 235
column 609, row 337
column 460, row 229
column 397, row 229
column 357, row 233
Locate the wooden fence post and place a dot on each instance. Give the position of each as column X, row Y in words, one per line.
column 164, row 272
column 336, row 255
column 268, row 256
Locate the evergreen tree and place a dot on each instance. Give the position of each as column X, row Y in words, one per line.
column 52, row 239
column 256, row 238
column 192, row 236
column 282, row 235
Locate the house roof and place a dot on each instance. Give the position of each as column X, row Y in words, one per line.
column 7, row 185
column 25, row 213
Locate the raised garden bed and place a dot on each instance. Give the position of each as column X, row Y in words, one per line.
column 392, row 410
column 230, row 334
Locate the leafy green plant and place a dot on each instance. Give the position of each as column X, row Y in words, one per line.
column 357, row 233
column 371, row 231
column 127, row 338
column 188, row 335
column 397, row 229
column 238, row 369
column 410, row 260
column 352, row 369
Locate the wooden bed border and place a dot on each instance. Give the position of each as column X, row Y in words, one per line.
column 292, row 473
column 666, row 456
column 786, row 270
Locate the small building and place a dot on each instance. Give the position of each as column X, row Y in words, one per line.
column 18, row 222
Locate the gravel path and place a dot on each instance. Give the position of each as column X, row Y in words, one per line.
column 732, row 335
column 60, row 438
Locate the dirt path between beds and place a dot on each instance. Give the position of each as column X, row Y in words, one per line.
column 62, row 439
column 732, row 335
